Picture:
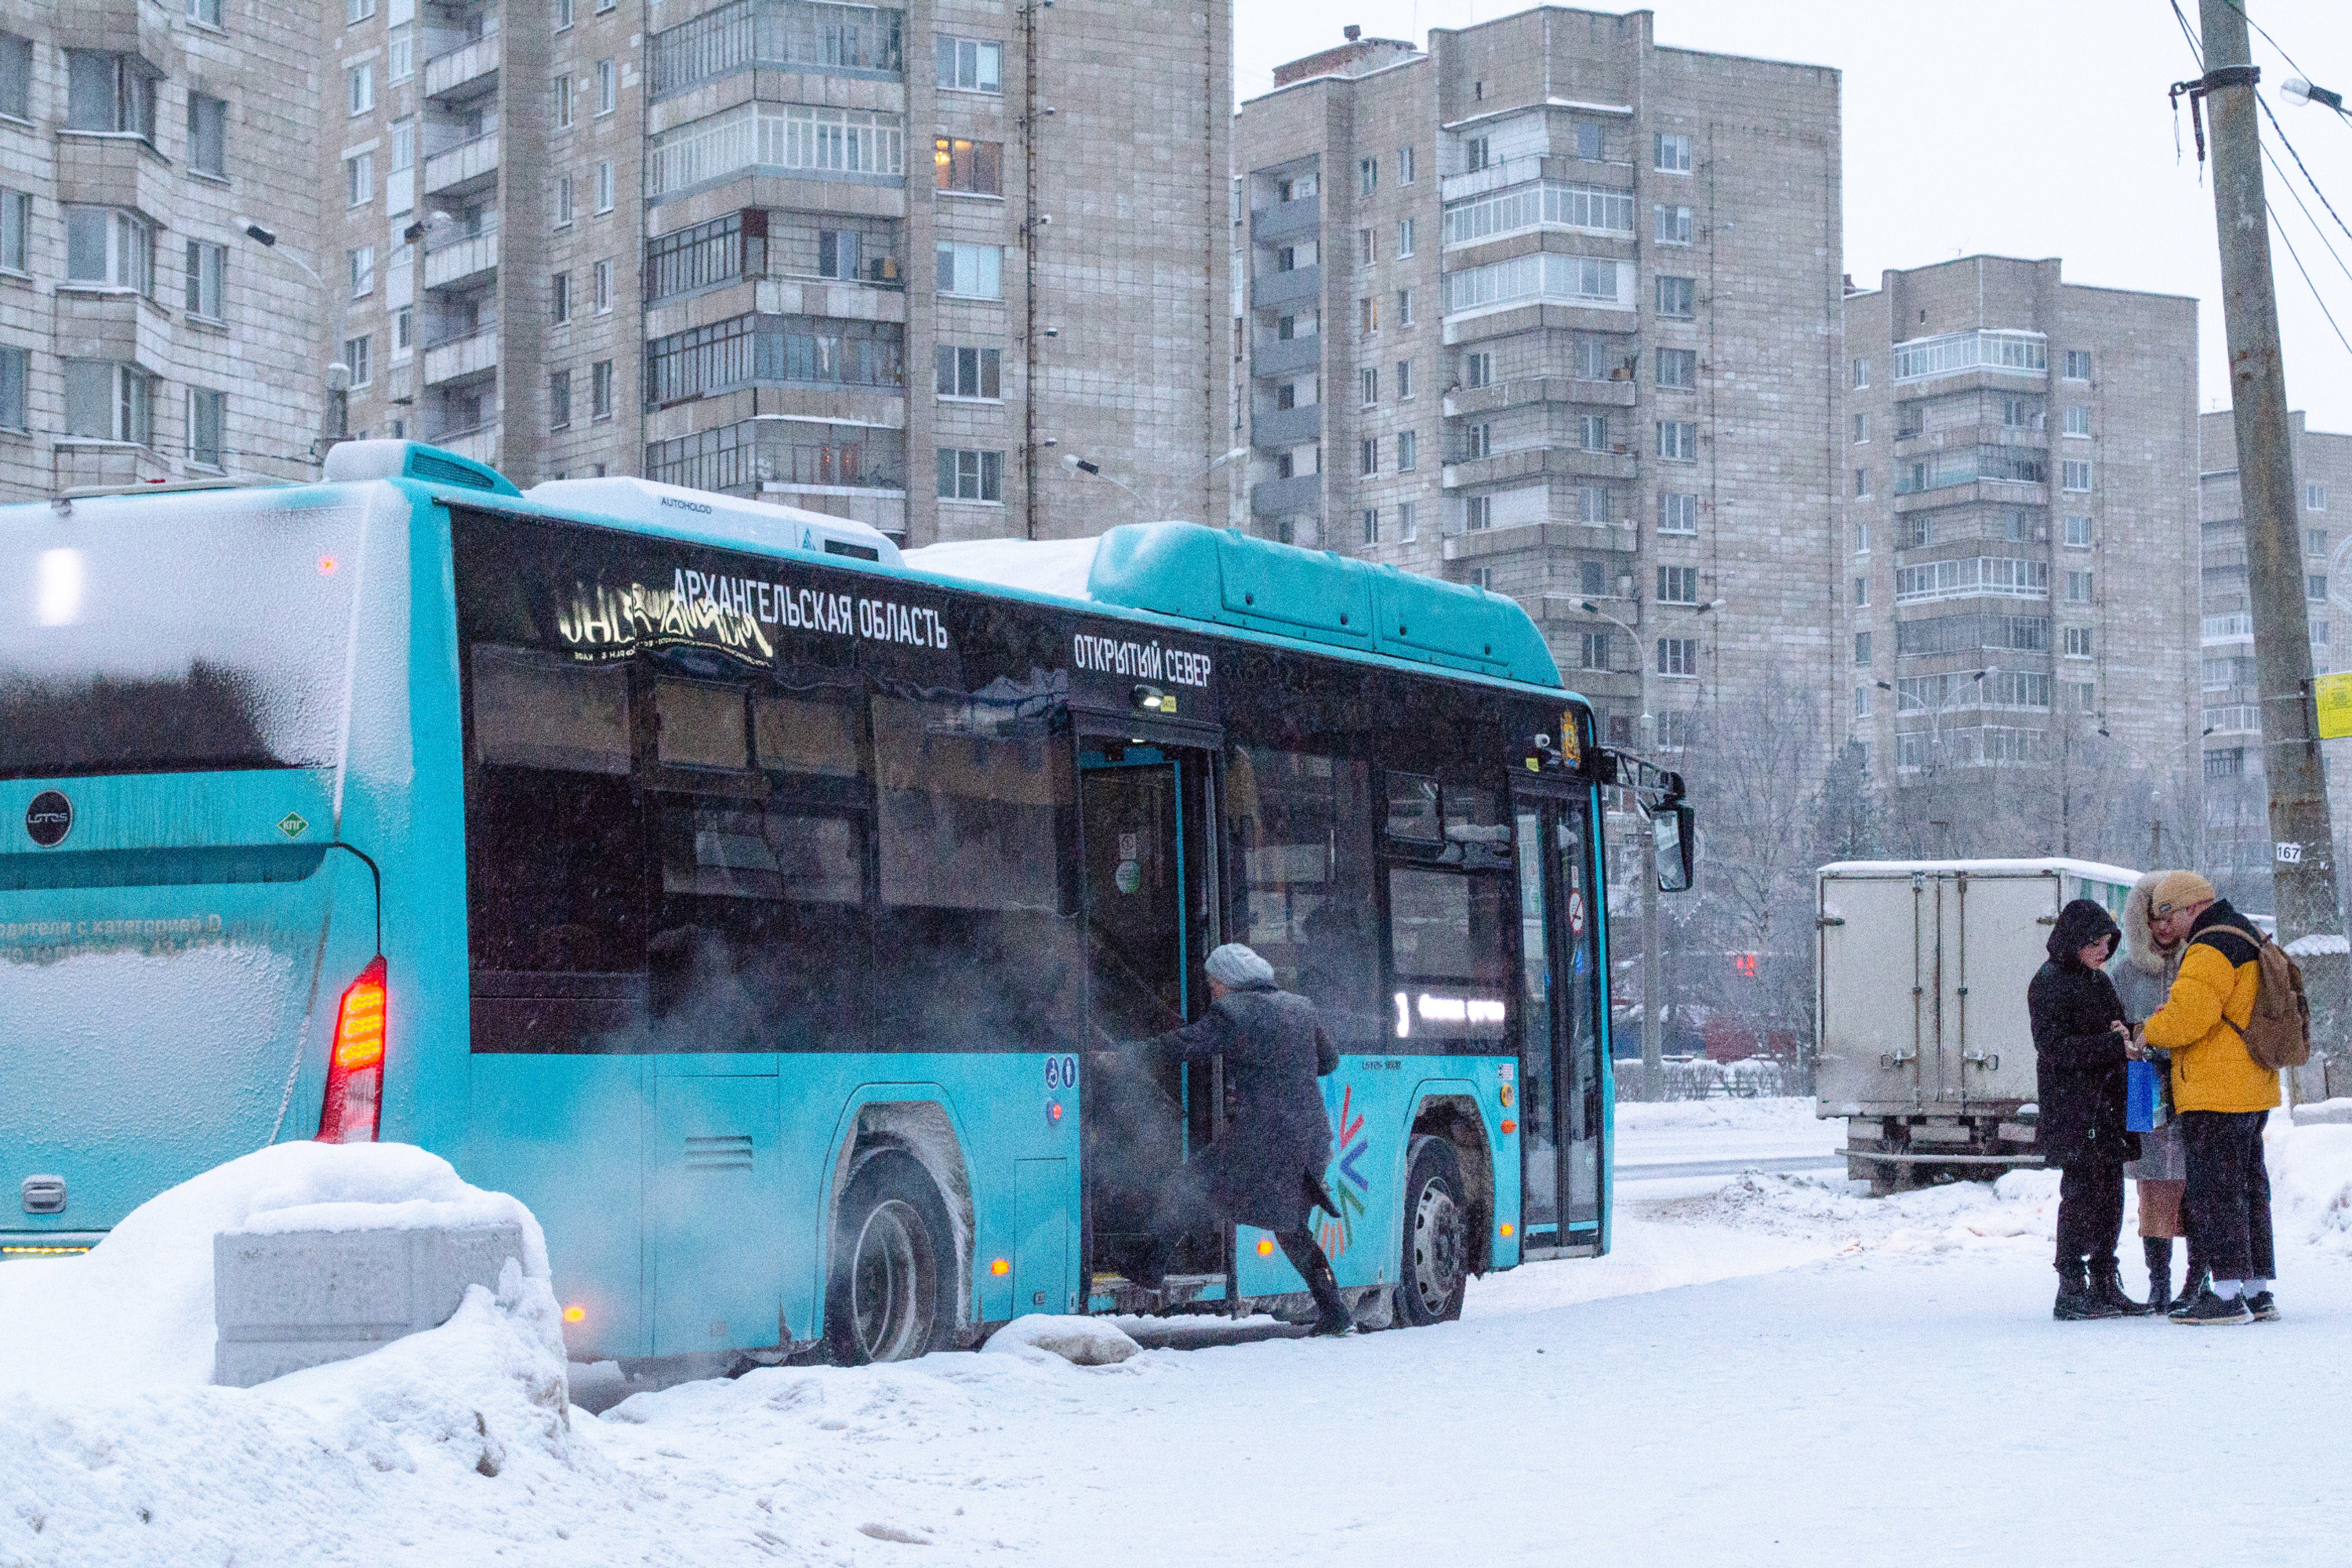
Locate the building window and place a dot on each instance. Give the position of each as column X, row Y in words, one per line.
column 358, row 269
column 2314, row 541
column 1367, row 176
column 1678, row 655
column 972, row 271
column 558, row 298
column 1478, row 153
column 404, row 145
column 2314, row 497
column 1588, row 140
column 1592, row 579
column 1408, row 450
column 207, row 135
column 359, row 356
column 608, row 87
column 108, row 400
column 604, row 185
column 1862, row 484
column 404, row 334
column 1677, row 513
column 971, row 65
column 1477, row 441
column 969, row 168
column 1365, row 250
column 2315, row 588
column 1367, row 455
column 602, row 284
column 1862, row 649
column 1678, row 440
column 1593, row 503
column 2077, row 364
column 2074, row 474
column 359, row 84
column 1404, row 308
column 1862, row 539
column 16, row 77
column 109, row 92
column 1592, row 651
column 1367, row 315
column 1861, row 593
column 600, row 390
column 968, row 372
column 564, row 202
column 1861, row 430
column 2078, row 642
column 1670, row 225
column 1678, row 584
column 1677, row 296
column 1408, row 526
column 1404, row 381
column 16, row 219
column 1404, row 165
column 207, row 264
column 1404, row 237
column 559, row 399
column 2077, row 419
column 1673, row 155
column 2078, row 587
column 358, row 11
column 966, row 475
column 359, row 179
column 1477, row 513
column 563, row 15
column 1478, row 369
column 1592, row 431
column 14, row 363
column 206, row 416
column 1371, row 524
column 1862, row 701
column 1369, row 379
column 400, row 55
column 1678, row 369
column 1861, row 373
column 108, row 248
column 2076, row 531
column 561, row 89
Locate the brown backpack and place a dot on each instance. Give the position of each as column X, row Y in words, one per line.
column 2278, row 1034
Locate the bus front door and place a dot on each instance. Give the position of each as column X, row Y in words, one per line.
column 1561, row 1105
column 1149, row 900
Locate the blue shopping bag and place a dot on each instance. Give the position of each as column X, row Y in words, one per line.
column 2143, row 1097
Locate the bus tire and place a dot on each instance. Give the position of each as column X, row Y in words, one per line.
column 1433, row 1271
column 891, row 1292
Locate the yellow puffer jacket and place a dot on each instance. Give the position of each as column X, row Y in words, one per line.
column 2211, row 1069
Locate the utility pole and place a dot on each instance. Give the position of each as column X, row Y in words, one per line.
column 2304, row 842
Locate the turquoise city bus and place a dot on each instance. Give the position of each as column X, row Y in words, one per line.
column 776, row 915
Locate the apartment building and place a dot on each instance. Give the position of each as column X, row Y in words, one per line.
column 697, row 242
column 2237, row 843
column 2019, row 462
column 1553, row 310
column 142, row 336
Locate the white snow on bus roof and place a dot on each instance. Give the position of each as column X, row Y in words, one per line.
column 1056, row 566
column 2091, row 870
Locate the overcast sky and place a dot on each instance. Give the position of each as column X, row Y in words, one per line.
column 2025, row 128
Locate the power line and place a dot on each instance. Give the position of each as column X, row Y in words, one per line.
column 2299, row 163
column 2289, row 186
column 2239, row 6
column 2306, row 277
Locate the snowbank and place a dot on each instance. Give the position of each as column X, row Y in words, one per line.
column 1081, row 1342
column 136, row 1312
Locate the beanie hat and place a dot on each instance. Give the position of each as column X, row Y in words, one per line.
column 2178, row 889
column 1237, row 964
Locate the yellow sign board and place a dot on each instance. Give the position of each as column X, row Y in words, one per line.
column 2333, row 694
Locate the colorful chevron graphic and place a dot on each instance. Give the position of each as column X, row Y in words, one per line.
column 1349, row 1184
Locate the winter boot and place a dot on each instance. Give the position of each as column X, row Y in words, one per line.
column 2264, row 1307
column 2157, row 1250
column 2107, row 1288
column 2209, row 1310
column 2193, row 1280
column 1331, row 1314
column 2077, row 1303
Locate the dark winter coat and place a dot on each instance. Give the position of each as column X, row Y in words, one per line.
column 1276, row 1138
column 2079, row 1060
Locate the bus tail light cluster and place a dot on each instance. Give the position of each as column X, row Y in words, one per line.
column 353, row 1110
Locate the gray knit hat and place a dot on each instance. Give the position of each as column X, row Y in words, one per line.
column 1237, row 964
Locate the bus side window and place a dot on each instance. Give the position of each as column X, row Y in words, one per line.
column 1450, row 951
column 977, row 947
column 535, row 710
column 699, row 726
column 1301, row 826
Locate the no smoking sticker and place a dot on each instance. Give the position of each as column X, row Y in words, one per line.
column 1576, row 913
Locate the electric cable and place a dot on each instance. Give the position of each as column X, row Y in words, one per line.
column 2300, row 165
column 2306, row 277
column 2280, row 170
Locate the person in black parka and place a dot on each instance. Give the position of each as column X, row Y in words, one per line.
column 2081, row 1042
column 1265, row 1166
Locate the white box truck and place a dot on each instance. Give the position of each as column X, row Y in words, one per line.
column 1922, row 1042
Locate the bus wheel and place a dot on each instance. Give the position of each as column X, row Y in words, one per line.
column 892, row 1296
column 1436, row 1243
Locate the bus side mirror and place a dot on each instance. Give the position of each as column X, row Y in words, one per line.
column 1673, row 834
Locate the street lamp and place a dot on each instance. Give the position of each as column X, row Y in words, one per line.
column 2297, row 92
column 1652, row 1048
column 335, row 423
column 1078, row 465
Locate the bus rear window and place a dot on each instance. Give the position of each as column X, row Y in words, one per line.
column 176, row 634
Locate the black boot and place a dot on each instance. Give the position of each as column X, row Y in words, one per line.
column 2157, row 1250
column 2107, row 1285
column 2075, row 1300
column 1331, row 1314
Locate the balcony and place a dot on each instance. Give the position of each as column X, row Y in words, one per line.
column 462, row 261
column 480, row 443
column 1272, row 426
column 1287, row 497
column 1283, row 287
column 1536, row 462
column 458, row 359
column 1280, row 356
column 1955, row 353
column 1618, row 393
column 1285, row 219
column 1493, row 177
column 463, row 72
column 461, row 169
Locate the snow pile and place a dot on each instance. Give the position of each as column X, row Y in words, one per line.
column 1081, row 1342
column 1778, row 1113
column 2311, row 1183
column 1826, row 1208
column 137, row 1310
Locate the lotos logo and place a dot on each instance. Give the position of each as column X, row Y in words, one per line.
column 48, row 819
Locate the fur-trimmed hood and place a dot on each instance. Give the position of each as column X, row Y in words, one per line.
column 2139, row 931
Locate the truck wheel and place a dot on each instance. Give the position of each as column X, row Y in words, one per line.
column 1437, row 1259
column 891, row 1294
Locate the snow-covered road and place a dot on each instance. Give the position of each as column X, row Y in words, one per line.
column 1777, row 1371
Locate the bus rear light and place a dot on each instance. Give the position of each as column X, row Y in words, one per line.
column 353, row 1108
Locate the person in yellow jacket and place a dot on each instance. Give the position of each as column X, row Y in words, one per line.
column 2221, row 1095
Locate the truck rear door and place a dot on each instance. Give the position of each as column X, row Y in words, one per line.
column 2003, row 923
column 1878, row 1007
